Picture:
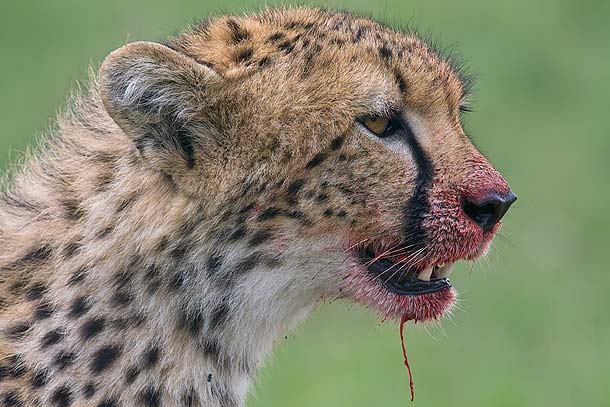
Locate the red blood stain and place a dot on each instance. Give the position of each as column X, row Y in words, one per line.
column 404, row 354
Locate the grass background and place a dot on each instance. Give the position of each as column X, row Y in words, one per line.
column 534, row 324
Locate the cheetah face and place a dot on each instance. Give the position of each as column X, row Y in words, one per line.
column 334, row 141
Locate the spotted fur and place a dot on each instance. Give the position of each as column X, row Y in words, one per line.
column 204, row 195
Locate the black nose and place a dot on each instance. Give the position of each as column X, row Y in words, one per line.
column 489, row 210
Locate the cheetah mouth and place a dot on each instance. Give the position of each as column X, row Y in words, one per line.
column 401, row 279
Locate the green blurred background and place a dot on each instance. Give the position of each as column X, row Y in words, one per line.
column 533, row 326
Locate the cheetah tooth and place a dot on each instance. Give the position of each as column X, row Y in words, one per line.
column 445, row 271
column 425, row 274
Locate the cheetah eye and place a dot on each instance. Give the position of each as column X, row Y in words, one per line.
column 380, row 126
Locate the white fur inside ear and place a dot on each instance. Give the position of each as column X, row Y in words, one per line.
column 151, row 80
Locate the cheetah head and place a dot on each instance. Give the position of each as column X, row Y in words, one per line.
column 326, row 148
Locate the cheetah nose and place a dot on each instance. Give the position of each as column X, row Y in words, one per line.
column 488, row 211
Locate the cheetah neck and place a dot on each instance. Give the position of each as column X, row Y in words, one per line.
column 130, row 290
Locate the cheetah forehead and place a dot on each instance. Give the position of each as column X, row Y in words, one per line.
column 308, row 43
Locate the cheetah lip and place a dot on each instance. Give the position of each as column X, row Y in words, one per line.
column 411, row 281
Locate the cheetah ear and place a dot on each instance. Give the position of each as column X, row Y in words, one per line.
column 161, row 99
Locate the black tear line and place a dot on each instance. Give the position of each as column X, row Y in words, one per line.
column 418, row 204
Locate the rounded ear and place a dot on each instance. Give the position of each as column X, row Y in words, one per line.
column 154, row 94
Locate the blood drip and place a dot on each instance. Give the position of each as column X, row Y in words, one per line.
column 404, row 354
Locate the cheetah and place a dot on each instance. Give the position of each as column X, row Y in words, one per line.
column 204, row 195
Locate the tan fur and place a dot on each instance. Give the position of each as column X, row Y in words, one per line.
column 199, row 198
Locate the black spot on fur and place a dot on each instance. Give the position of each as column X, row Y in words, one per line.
column 18, row 330
column 78, row 276
column 259, row 237
column 131, row 374
column 123, row 278
column 264, row 61
column 219, row 315
column 104, row 358
column 213, row 264
column 121, row 298
column 150, row 396
column 91, row 328
column 162, row 245
column 35, row 292
column 38, row 255
column 51, row 338
column 39, row 379
column 108, row 402
column 238, row 34
column 43, row 311
column 402, row 85
column 78, row 307
column 286, row 46
column 245, row 56
column 238, row 233
column 177, row 280
column 18, row 286
column 309, row 62
column 88, row 390
column 247, row 208
column 188, row 227
column 64, row 359
column 247, row 264
column 151, row 357
column 62, row 396
column 322, row 198
column 191, row 322
column 189, row 398
column 12, row 399
column 269, row 213
column 104, row 181
column 337, row 143
column 328, row 212
column 359, row 34
column 385, row 53
column 295, row 186
column 16, row 366
column 314, row 162
column 276, row 37
column 70, row 249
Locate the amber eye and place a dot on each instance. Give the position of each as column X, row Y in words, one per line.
column 380, row 126
column 377, row 125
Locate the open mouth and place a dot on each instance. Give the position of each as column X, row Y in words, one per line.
column 401, row 279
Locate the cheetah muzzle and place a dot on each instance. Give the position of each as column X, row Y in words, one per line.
column 206, row 194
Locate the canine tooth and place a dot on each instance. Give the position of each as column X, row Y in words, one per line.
column 425, row 274
column 445, row 271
